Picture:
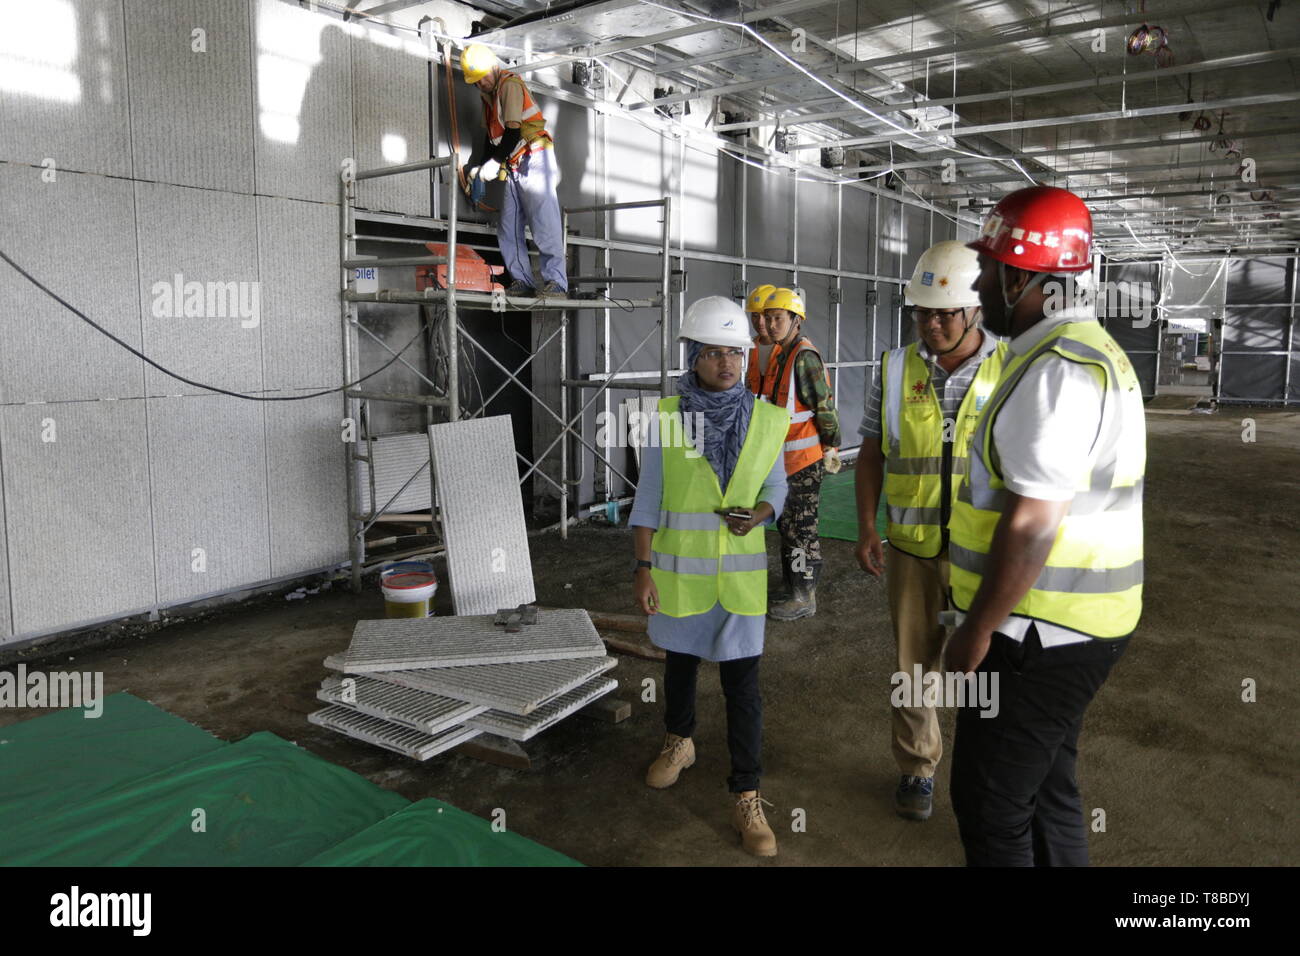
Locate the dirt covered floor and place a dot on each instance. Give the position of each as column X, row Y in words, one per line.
column 1186, row 772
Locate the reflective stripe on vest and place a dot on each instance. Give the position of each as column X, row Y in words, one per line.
column 532, row 129
column 1092, row 581
column 696, row 561
column 803, row 444
column 911, row 439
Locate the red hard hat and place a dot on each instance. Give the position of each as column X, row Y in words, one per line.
column 1039, row 229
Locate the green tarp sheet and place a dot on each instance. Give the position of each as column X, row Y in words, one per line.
column 139, row 786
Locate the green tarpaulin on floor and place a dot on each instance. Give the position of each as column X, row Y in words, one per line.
column 139, row 786
column 838, row 516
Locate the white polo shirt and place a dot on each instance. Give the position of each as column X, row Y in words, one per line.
column 1046, row 439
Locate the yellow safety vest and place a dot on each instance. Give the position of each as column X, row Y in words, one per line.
column 1092, row 582
column 920, row 480
column 696, row 561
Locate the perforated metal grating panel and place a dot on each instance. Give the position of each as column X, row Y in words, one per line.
column 488, row 561
column 513, row 688
column 419, row 710
column 394, row 645
column 522, row 728
column 390, row 736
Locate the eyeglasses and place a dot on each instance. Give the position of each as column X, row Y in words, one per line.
column 717, row 355
column 945, row 316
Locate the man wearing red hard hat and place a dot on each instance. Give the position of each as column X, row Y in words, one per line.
column 1046, row 535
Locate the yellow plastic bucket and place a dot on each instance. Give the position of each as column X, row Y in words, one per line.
column 409, row 595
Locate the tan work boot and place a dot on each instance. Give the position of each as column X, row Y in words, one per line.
column 747, row 817
column 677, row 755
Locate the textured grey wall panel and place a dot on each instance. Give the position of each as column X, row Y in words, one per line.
column 48, row 353
column 79, row 503
column 397, row 458
column 464, row 641
column 390, row 736
column 390, row 99
column 191, row 113
column 482, row 514
column 303, row 101
column 6, row 604
column 297, row 245
column 306, row 485
column 512, row 688
column 427, row 713
column 209, row 491
column 857, row 233
column 208, row 238
column 552, row 712
column 74, row 109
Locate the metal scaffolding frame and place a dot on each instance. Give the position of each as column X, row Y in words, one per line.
column 449, row 300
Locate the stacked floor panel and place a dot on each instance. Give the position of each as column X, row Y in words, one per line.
column 422, row 686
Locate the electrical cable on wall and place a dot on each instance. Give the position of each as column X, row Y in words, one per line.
column 181, row 378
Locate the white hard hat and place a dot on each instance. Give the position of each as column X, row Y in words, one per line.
column 717, row 320
column 943, row 277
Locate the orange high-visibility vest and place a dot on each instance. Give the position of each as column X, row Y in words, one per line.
column 803, row 446
column 532, row 130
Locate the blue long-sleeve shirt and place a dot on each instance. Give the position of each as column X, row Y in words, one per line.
column 717, row 634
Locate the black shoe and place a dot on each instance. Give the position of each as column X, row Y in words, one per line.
column 521, row 289
column 553, row 290
column 914, row 798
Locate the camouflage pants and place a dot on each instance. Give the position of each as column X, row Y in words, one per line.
column 798, row 521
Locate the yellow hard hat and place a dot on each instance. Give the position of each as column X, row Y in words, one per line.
column 476, row 62
column 756, row 298
column 786, row 299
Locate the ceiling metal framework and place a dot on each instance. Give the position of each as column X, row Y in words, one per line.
column 962, row 99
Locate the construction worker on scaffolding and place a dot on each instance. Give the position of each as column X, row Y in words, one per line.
column 793, row 377
column 516, row 148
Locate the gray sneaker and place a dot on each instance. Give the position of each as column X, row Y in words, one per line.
column 914, row 798
column 552, row 290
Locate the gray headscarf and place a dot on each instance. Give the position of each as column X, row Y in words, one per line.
column 724, row 416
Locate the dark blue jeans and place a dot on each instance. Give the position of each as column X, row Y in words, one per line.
column 1013, row 776
column 744, row 711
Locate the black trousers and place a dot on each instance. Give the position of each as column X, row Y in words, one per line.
column 1013, row 775
column 744, row 711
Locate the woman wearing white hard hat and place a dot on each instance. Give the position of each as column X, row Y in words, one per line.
column 921, row 413
column 711, row 477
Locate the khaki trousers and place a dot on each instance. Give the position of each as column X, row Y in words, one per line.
column 918, row 589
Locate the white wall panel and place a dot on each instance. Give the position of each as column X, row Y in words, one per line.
column 306, row 484
column 302, row 100
column 76, row 512
column 297, row 246
column 204, row 237
column 63, row 86
column 49, row 354
column 6, row 607
column 390, row 108
column 208, row 467
column 191, row 112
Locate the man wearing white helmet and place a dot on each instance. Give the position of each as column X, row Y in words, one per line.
column 711, row 475
column 921, row 413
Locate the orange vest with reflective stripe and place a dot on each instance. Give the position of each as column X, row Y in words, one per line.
column 803, row 446
column 532, row 129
